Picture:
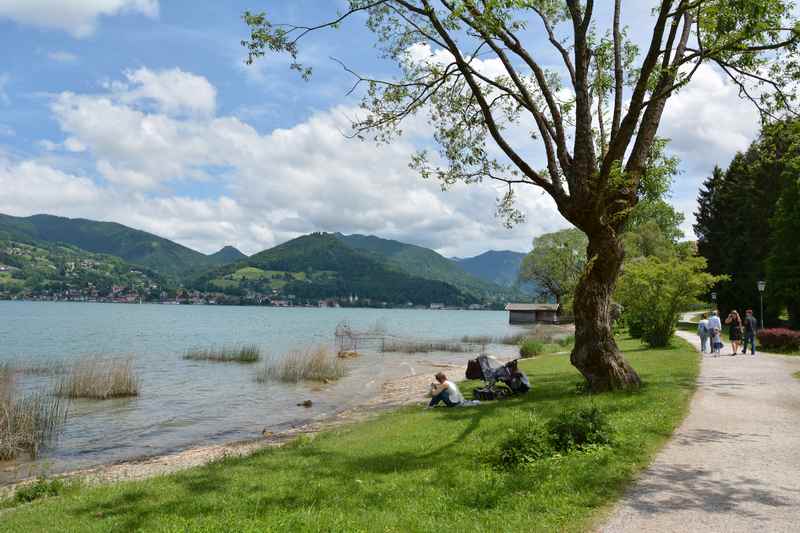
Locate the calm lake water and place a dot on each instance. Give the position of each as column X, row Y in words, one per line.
column 186, row 403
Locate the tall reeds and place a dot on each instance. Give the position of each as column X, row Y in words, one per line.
column 27, row 421
column 247, row 353
column 316, row 364
column 411, row 346
column 99, row 379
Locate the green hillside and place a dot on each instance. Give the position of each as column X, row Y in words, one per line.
column 425, row 263
column 319, row 266
column 54, row 269
column 501, row 267
column 134, row 246
column 226, row 255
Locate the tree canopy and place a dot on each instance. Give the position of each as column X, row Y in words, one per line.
column 556, row 264
column 595, row 116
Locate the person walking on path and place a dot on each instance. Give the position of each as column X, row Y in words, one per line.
column 716, row 341
column 714, row 329
column 750, row 328
column 735, row 322
column 714, row 322
column 702, row 332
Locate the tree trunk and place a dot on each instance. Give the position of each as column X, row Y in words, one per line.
column 596, row 354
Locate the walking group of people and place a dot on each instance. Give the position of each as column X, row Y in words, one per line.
column 710, row 331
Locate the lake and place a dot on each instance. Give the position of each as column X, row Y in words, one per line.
column 187, row 403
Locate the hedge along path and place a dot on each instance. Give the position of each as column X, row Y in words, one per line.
column 733, row 464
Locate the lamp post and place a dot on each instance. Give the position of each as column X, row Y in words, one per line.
column 761, row 286
column 714, row 301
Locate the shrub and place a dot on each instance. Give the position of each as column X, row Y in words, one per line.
column 27, row 422
column 512, row 340
column 567, row 341
column 654, row 291
column 248, row 353
column 530, row 348
column 41, row 488
column 317, row 364
column 779, row 339
column 524, row 445
column 576, row 429
column 99, row 379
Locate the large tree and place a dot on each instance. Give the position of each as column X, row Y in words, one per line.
column 595, row 118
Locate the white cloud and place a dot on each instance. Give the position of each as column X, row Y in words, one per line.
column 277, row 185
column 77, row 17
column 74, row 145
column 38, row 188
column 707, row 123
column 60, row 56
column 173, row 91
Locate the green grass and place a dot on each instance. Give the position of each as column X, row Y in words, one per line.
column 797, row 375
column 407, row 470
column 276, row 278
column 7, row 279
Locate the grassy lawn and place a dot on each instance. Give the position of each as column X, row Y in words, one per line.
column 8, row 280
column 407, row 470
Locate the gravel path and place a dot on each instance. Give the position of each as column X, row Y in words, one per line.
column 734, row 463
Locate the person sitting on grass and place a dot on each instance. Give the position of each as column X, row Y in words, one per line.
column 445, row 391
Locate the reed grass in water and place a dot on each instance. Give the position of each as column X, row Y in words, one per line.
column 248, row 353
column 99, row 379
column 425, row 346
column 27, row 421
column 316, row 364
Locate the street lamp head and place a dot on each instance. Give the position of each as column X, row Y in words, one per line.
column 761, row 286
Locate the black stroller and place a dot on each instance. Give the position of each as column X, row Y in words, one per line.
column 492, row 372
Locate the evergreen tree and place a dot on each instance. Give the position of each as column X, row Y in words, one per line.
column 733, row 220
column 783, row 265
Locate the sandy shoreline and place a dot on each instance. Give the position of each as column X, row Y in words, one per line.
column 393, row 393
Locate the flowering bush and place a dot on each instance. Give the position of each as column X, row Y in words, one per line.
column 779, row 338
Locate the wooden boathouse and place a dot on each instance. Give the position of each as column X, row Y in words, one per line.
column 532, row 313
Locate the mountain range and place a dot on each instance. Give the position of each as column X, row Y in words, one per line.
column 310, row 267
column 500, row 267
column 132, row 245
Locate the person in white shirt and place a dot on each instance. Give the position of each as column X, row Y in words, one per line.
column 703, row 333
column 445, row 391
column 714, row 321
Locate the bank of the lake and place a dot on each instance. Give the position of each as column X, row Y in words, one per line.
column 183, row 403
column 407, row 470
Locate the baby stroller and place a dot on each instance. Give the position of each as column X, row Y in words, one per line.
column 491, row 372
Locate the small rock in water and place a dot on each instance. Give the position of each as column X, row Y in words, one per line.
column 306, row 403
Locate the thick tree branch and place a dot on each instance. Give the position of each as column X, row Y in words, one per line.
column 491, row 123
column 618, row 74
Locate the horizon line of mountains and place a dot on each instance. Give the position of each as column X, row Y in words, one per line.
column 310, row 267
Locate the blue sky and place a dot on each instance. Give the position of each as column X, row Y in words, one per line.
column 142, row 112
